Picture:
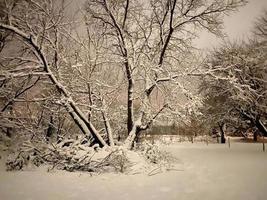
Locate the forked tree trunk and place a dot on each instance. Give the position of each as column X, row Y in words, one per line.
column 128, row 143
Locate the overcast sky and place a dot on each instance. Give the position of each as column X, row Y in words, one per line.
column 237, row 26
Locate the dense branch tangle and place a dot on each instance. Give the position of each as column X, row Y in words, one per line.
column 40, row 34
column 150, row 41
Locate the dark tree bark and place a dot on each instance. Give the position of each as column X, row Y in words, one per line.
column 255, row 136
column 256, row 121
column 221, row 126
column 261, row 127
column 50, row 129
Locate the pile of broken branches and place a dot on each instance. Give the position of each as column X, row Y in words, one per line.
column 70, row 155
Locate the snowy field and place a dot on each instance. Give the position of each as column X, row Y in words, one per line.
column 210, row 172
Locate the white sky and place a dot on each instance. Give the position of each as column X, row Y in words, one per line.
column 237, row 26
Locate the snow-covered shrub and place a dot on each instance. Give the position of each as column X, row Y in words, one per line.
column 4, row 141
column 17, row 161
column 118, row 160
column 154, row 154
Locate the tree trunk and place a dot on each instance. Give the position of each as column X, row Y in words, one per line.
column 108, row 128
column 130, row 113
column 128, row 143
column 255, row 136
column 137, row 128
column 90, row 101
column 50, row 130
column 86, row 127
column 221, row 126
column 256, row 122
column 138, row 136
column 9, row 130
column 261, row 127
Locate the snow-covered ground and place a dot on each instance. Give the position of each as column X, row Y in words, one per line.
column 208, row 172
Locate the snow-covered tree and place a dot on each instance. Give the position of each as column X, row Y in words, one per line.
column 132, row 61
column 235, row 86
column 151, row 41
column 41, row 32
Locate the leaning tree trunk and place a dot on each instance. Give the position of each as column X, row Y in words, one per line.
column 78, row 117
column 261, row 127
column 256, row 121
column 108, row 128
